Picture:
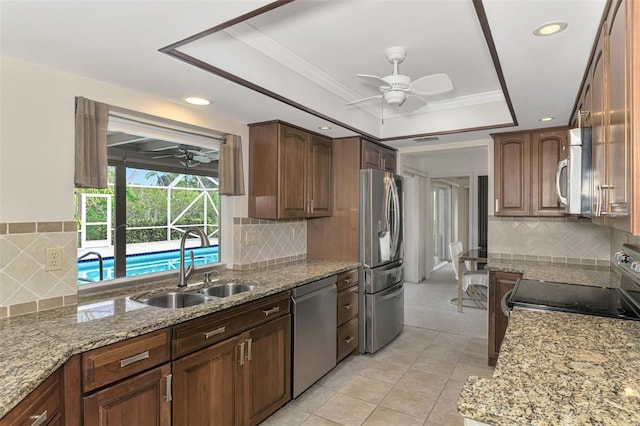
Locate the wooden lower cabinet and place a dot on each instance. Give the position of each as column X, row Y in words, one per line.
column 44, row 406
column 499, row 284
column 239, row 381
column 144, row 399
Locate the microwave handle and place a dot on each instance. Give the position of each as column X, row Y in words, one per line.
column 561, row 165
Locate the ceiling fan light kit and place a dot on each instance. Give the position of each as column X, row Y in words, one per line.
column 397, row 88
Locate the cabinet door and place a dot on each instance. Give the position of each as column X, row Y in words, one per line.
column 512, row 174
column 618, row 141
column 371, row 155
column 319, row 177
column 292, row 157
column 389, row 160
column 268, row 365
column 547, row 149
column 207, row 386
column 140, row 400
column 598, row 133
column 499, row 284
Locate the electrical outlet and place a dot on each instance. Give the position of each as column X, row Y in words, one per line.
column 250, row 238
column 53, row 259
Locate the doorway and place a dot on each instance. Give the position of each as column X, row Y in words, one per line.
column 441, row 224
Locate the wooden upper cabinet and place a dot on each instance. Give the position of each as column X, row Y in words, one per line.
column 289, row 172
column 547, row 149
column 376, row 156
column 512, row 174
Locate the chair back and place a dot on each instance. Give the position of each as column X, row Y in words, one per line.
column 455, row 249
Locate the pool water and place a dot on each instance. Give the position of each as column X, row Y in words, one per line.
column 144, row 263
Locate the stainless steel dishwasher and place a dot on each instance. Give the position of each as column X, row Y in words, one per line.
column 314, row 332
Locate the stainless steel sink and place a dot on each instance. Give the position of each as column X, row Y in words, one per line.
column 226, row 289
column 174, row 300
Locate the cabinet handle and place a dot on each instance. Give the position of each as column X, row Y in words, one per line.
column 169, row 382
column 497, row 204
column 273, row 310
column 215, row 332
column 249, row 352
column 311, row 206
column 349, row 339
column 39, row 420
column 347, row 281
column 135, row 358
column 241, row 361
column 347, row 306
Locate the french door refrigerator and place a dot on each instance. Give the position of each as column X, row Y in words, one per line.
column 381, row 254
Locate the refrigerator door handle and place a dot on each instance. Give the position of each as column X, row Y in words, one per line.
column 396, row 218
column 383, row 224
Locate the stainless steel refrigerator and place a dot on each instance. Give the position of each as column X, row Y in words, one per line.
column 381, row 254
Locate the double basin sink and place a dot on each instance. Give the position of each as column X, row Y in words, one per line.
column 198, row 297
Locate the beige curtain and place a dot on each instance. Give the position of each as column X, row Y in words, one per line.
column 91, row 143
column 231, row 171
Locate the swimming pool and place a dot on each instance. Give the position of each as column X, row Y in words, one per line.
column 144, row 263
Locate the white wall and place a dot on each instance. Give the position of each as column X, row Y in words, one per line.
column 37, row 148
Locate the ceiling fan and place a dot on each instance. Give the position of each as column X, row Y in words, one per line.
column 398, row 90
column 191, row 156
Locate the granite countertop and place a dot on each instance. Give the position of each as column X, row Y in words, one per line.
column 559, row 272
column 34, row 346
column 560, row 369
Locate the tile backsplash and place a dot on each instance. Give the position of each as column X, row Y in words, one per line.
column 25, row 286
column 261, row 242
column 557, row 239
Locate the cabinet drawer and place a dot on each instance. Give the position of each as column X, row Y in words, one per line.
column 43, row 406
column 347, row 279
column 205, row 331
column 114, row 362
column 347, row 338
column 347, row 304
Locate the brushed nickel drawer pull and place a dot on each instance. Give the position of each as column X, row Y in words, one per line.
column 273, row 310
column 215, row 332
column 249, row 351
column 39, row 420
column 169, row 396
column 349, row 339
column 347, row 306
column 135, row 358
column 347, row 281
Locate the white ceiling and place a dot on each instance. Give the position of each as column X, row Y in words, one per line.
column 307, row 53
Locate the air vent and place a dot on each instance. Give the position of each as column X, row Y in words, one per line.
column 427, row 139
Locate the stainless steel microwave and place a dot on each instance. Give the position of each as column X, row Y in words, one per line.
column 573, row 175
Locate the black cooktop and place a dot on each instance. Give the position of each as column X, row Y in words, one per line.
column 573, row 298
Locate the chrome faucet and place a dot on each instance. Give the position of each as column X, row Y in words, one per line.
column 204, row 242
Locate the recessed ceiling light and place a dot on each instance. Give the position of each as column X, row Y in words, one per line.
column 194, row 100
column 324, row 128
column 543, row 119
column 550, row 28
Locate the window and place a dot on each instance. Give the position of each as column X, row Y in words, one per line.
column 157, row 189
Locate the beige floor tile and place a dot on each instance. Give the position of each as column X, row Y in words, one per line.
column 287, row 416
column 477, row 345
column 434, row 366
column 444, row 353
column 312, row 399
column 345, row 410
column 339, row 376
column 392, row 355
column 383, row 416
column 452, row 390
column 383, row 371
column 473, row 359
column 319, row 421
column 416, row 404
column 445, row 413
column 366, row 389
column 463, row 371
column 431, row 384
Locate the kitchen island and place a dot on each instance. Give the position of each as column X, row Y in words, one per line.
column 36, row 345
column 560, row 369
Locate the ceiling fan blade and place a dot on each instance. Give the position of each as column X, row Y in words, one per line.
column 372, row 79
column 413, row 102
column 365, row 99
column 202, row 158
column 432, row 84
column 157, row 157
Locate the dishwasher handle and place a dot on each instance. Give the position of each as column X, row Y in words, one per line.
column 301, row 299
